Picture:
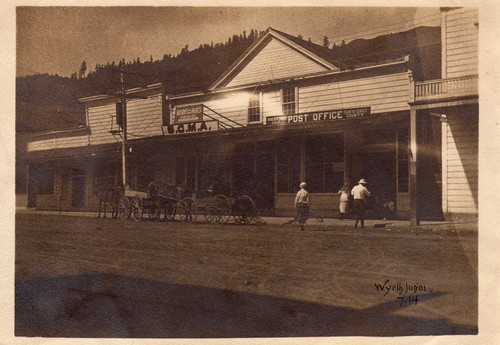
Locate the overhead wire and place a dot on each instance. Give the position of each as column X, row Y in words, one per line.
column 410, row 24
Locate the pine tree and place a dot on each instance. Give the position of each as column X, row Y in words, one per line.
column 326, row 41
column 83, row 69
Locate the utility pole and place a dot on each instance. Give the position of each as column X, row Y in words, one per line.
column 123, row 100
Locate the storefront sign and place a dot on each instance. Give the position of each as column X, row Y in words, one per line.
column 320, row 116
column 193, row 127
column 191, row 113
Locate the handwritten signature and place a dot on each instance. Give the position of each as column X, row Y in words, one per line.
column 399, row 287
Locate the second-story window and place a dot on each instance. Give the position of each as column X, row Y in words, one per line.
column 254, row 108
column 289, row 101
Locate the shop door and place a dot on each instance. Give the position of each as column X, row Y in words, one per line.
column 253, row 173
column 265, row 163
column 78, row 191
column 380, row 172
column 243, row 171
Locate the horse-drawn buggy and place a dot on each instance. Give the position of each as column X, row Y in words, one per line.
column 218, row 208
column 174, row 202
column 155, row 200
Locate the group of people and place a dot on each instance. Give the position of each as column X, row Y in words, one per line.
column 359, row 193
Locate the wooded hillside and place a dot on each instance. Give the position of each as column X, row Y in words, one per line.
column 50, row 102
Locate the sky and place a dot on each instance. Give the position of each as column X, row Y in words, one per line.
column 56, row 40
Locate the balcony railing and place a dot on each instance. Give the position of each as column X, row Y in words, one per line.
column 446, row 88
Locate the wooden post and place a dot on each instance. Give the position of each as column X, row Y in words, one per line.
column 414, row 221
column 444, row 164
column 124, row 130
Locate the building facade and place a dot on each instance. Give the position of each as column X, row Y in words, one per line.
column 286, row 111
column 453, row 100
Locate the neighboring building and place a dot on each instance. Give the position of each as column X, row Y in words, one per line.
column 452, row 101
column 64, row 167
column 287, row 110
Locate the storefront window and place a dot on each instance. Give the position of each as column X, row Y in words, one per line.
column 403, row 160
column 214, row 171
column 185, row 172
column 288, row 155
column 145, row 175
column 45, row 181
column 289, row 101
column 254, row 108
column 325, row 163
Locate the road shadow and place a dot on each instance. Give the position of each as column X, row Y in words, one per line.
column 101, row 305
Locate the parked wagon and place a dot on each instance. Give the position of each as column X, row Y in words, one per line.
column 157, row 199
column 219, row 208
column 175, row 202
column 135, row 203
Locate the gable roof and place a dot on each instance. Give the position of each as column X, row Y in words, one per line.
column 360, row 52
column 317, row 54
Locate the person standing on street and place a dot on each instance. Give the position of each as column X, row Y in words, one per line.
column 344, row 198
column 302, row 203
column 359, row 193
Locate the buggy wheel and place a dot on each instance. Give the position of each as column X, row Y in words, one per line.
column 124, row 208
column 244, row 210
column 170, row 209
column 136, row 209
column 223, row 207
column 154, row 210
column 188, row 210
column 211, row 214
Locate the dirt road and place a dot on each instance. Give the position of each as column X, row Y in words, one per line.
column 89, row 277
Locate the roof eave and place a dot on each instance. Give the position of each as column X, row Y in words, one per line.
column 259, row 42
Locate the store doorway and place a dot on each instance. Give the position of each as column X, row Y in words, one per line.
column 78, row 192
column 380, row 172
column 253, row 173
column 265, row 166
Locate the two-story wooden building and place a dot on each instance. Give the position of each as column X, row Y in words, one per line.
column 452, row 101
column 286, row 111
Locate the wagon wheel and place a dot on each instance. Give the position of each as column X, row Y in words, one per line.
column 221, row 202
column 154, row 210
column 124, row 208
column 136, row 209
column 244, row 210
column 169, row 208
column 210, row 213
column 188, row 210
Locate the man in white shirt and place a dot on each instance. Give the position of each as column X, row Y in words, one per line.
column 359, row 193
column 302, row 203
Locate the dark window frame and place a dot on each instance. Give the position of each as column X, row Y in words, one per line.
column 254, row 108
column 289, row 100
column 323, row 154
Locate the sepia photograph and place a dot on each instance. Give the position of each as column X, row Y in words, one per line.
column 226, row 172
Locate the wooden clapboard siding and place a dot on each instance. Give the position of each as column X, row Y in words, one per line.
column 144, row 117
column 461, row 159
column 275, row 61
column 461, row 38
column 382, row 93
column 101, row 121
column 57, row 143
column 233, row 106
column 271, row 103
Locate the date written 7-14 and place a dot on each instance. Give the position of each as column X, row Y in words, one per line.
column 408, row 300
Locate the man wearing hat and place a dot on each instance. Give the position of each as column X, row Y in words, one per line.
column 359, row 193
column 302, row 203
